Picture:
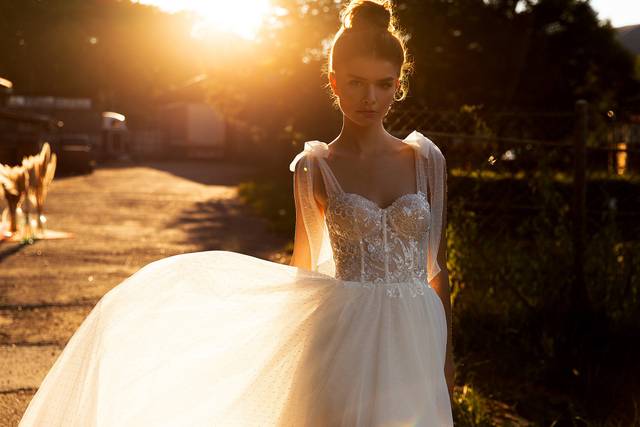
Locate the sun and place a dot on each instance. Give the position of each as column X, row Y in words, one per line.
column 241, row 17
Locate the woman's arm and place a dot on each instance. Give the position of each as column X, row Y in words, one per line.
column 441, row 285
column 301, row 255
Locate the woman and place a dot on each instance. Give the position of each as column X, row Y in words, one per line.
column 355, row 332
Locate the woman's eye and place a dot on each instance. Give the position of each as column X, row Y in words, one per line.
column 386, row 85
column 355, row 82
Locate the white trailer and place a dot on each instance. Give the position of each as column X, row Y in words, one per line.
column 193, row 130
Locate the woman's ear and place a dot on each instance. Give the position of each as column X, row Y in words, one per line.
column 397, row 88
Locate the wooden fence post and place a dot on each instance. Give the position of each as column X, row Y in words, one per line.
column 578, row 294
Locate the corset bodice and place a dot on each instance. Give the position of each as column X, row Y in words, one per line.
column 372, row 244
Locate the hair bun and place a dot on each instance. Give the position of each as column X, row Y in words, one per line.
column 367, row 15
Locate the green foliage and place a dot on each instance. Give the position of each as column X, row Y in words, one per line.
column 470, row 408
column 613, row 275
column 542, row 57
column 271, row 198
column 511, row 306
column 119, row 53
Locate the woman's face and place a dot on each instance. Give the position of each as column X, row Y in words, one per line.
column 365, row 87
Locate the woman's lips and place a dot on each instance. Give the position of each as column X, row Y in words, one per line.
column 367, row 112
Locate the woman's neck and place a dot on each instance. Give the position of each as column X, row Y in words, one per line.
column 362, row 141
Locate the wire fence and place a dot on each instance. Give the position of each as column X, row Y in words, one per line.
column 518, row 141
column 512, row 149
column 522, row 175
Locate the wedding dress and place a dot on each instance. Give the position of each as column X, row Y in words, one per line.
column 219, row 338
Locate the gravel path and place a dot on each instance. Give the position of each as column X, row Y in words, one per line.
column 122, row 218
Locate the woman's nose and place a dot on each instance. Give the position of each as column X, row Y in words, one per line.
column 370, row 95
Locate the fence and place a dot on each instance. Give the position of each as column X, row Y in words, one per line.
column 505, row 168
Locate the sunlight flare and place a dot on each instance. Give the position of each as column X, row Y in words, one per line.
column 241, row 17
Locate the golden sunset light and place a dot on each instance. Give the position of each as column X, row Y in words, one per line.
column 241, row 17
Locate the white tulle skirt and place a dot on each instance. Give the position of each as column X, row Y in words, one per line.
column 220, row 338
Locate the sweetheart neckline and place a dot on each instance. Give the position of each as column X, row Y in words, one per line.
column 418, row 192
column 374, row 204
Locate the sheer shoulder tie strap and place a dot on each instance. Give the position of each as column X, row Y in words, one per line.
column 421, row 182
column 433, row 178
column 319, row 151
column 312, row 149
column 312, row 217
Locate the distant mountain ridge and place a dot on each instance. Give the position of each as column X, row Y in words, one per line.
column 629, row 36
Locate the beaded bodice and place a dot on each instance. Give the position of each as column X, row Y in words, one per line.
column 374, row 244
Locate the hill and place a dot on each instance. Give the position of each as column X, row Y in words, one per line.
column 629, row 36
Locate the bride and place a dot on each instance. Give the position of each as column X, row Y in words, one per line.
column 355, row 332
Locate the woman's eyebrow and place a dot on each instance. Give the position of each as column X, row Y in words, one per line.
column 386, row 79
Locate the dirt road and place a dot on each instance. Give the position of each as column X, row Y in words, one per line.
column 122, row 218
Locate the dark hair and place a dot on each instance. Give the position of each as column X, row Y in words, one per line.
column 369, row 28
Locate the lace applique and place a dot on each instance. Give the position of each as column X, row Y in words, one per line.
column 380, row 247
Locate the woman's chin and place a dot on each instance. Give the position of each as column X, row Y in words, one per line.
column 364, row 120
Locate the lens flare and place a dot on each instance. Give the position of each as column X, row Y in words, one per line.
column 241, row 17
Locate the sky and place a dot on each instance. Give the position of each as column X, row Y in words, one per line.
column 620, row 12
